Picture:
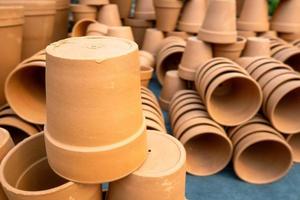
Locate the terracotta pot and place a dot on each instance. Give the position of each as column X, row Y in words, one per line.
column 97, row 29
column 239, row 7
column 246, row 34
column 296, row 43
column 80, row 28
column 286, row 19
column 144, row 9
column 152, row 116
column 150, row 97
column 102, row 58
column 266, row 69
column 260, row 153
column 124, row 7
column 94, row 2
column 254, row 16
column 294, row 142
column 146, row 59
column 11, row 31
column 109, row 15
column 190, row 60
column 182, row 95
column 269, row 33
column 152, row 40
column 181, row 34
column 31, row 185
column 152, row 104
column 124, row 32
column 60, row 30
column 219, row 25
column 231, row 51
column 152, row 110
column 289, row 56
column 167, row 14
column 149, row 93
column 257, row 47
column 146, row 75
column 154, row 125
column 80, row 12
column 172, row 84
column 192, row 16
column 289, row 37
column 149, row 183
column 139, row 27
column 260, row 62
column 183, row 100
column 269, row 75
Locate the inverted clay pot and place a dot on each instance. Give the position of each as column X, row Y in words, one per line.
column 257, row 47
column 148, row 182
column 254, row 16
column 109, row 15
column 172, row 84
column 23, row 176
column 190, row 60
column 167, row 14
column 124, row 7
column 152, row 40
column 94, row 2
column 146, row 75
column 92, row 158
column 231, row 51
column 11, row 31
column 80, row 12
column 268, row 34
column 97, row 29
column 246, row 34
column 124, row 32
column 294, row 142
column 144, row 9
column 80, row 27
column 146, row 59
column 192, row 16
column 219, row 25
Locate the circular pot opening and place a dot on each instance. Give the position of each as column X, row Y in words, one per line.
column 294, row 142
column 263, row 162
column 171, row 62
column 207, row 154
column 294, row 62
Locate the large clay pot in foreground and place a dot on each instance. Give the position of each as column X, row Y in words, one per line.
column 109, row 80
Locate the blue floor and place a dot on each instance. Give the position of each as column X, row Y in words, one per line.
column 226, row 186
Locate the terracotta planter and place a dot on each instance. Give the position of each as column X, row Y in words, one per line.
column 254, row 16
column 124, row 7
column 109, row 15
column 144, row 9
column 31, row 185
column 257, row 47
column 81, row 12
column 271, row 74
column 172, row 84
column 181, row 34
column 191, row 61
column 231, row 51
column 167, row 14
column 60, row 30
column 219, row 25
column 146, row 75
column 265, row 69
column 97, row 29
column 139, row 27
column 124, row 32
column 149, row 183
column 89, row 155
column 246, row 34
column 146, row 59
column 192, row 16
column 94, row 2
column 11, row 31
column 152, row 40
column 294, row 142
column 80, row 28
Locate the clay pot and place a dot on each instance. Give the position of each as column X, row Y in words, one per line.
column 294, row 142
column 94, row 2
column 286, row 18
column 60, row 30
column 144, row 9
column 11, row 31
column 97, row 29
column 289, row 37
column 124, row 32
column 268, row 34
column 31, row 185
column 231, row 51
column 80, row 28
column 88, row 160
column 254, row 16
column 80, row 12
column 109, row 15
column 239, row 7
column 167, row 14
column 289, row 55
column 150, row 115
column 219, row 25
column 246, row 34
column 172, row 84
column 257, row 47
column 181, row 34
column 192, row 16
column 149, row 183
column 146, row 75
column 139, row 27
column 146, row 59
column 124, row 7
column 190, row 60
column 152, row 40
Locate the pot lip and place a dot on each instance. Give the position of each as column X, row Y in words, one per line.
column 10, row 188
column 146, row 72
column 82, row 8
column 237, row 46
column 5, row 138
column 19, row 124
column 133, row 22
column 168, row 3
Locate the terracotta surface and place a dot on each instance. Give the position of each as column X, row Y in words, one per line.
column 123, row 6
column 144, row 9
column 152, row 40
column 231, row 51
column 269, row 33
column 60, row 30
column 181, row 34
column 94, row 2
column 97, row 29
column 124, row 32
column 80, row 27
column 146, row 75
column 257, row 47
column 246, row 33
column 109, row 15
column 146, row 59
column 289, row 37
column 294, row 142
column 80, row 12
column 66, row 145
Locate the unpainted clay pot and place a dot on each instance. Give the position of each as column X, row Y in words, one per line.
column 289, row 37
column 11, row 31
column 294, row 142
column 148, row 182
column 146, row 75
column 257, row 47
column 149, row 96
column 219, row 25
column 181, row 34
column 124, row 32
column 192, row 16
column 109, row 15
column 144, row 9
column 139, row 27
column 152, row 116
column 271, row 74
column 94, row 2
column 60, row 30
column 152, row 39
column 152, row 104
column 154, row 125
column 146, row 59
column 286, row 18
column 80, row 27
column 254, row 16
column 246, row 34
column 267, row 34
column 265, row 69
column 87, row 158
column 262, row 158
column 239, row 7
column 28, row 81
column 80, row 12
column 172, row 84
column 290, row 56
column 23, row 176
column 191, row 60
column 124, row 7
column 167, row 13
column 231, row 51
column 97, row 29
column 179, row 102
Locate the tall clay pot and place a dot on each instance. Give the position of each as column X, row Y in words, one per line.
column 124, row 7
column 60, row 30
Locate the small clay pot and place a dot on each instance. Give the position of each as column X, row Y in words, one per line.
column 146, row 75
column 294, row 142
column 219, row 25
column 152, row 40
column 80, row 12
column 246, row 34
column 231, row 51
column 94, row 2
column 149, row 183
column 124, row 32
column 190, row 60
column 146, row 59
column 80, row 28
column 124, row 7
column 257, row 47
column 97, row 29
column 109, row 15
column 181, row 34
column 144, row 9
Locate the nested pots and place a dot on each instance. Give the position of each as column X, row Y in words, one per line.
column 144, row 9
column 109, row 15
column 232, row 51
column 79, row 151
column 81, row 11
column 60, row 30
